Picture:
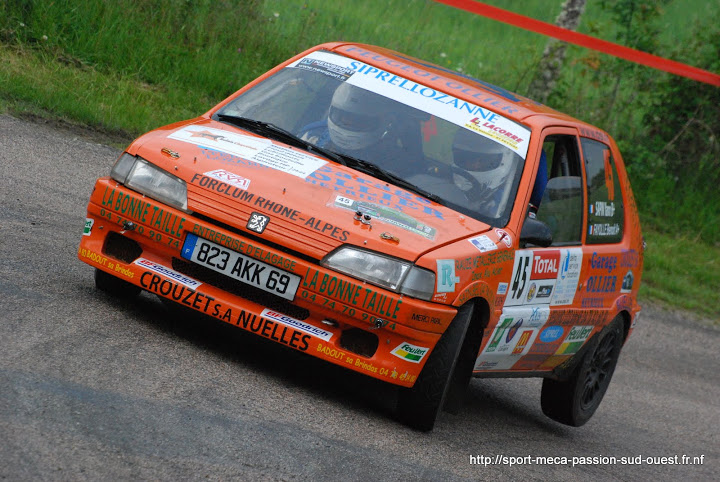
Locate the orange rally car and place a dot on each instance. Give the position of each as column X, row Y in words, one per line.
column 392, row 217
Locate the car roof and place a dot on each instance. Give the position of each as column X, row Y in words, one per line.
column 462, row 86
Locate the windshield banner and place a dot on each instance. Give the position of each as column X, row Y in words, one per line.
column 462, row 113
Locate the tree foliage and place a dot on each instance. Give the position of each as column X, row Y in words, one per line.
column 667, row 127
column 684, row 122
column 676, row 164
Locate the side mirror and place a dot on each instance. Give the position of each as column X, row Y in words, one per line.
column 535, row 232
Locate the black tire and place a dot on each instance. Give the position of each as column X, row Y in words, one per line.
column 574, row 401
column 115, row 286
column 418, row 407
column 463, row 370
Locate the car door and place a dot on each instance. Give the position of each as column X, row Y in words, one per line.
column 544, row 279
column 586, row 216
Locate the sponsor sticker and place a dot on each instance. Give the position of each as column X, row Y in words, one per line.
column 522, row 343
column 259, row 150
column 88, row 226
column 409, row 352
column 568, row 276
column 297, row 324
column 326, row 68
column 229, row 178
column 170, row 273
column 544, row 291
column 551, row 333
column 498, row 334
column 387, row 215
column 446, row 278
column 483, row 243
column 531, row 292
column 504, row 237
column 575, row 339
column 627, row 282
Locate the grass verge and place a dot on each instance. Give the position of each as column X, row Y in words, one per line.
column 683, row 272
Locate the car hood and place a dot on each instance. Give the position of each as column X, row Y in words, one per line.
column 232, row 174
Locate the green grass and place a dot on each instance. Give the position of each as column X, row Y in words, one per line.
column 88, row 96
column 127, row 67
column 682, row 272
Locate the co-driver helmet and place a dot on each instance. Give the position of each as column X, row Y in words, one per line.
column 357, row 118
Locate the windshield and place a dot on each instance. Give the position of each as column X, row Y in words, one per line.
column 463, row 156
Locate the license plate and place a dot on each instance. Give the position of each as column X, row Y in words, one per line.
column 240, row 267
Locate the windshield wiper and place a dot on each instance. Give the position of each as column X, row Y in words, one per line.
column 376, row 171
column 279, row 134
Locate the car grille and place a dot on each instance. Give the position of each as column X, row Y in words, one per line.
column 210, row 207
column 257, row 239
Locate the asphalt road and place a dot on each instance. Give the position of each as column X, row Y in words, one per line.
column 92, row 388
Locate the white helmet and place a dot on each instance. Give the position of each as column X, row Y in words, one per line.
column 475, row 152
column 487, row 160
column 490, row 163
column 357, row 118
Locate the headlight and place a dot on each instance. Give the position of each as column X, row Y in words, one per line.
column 138, row 174
column 393, row 274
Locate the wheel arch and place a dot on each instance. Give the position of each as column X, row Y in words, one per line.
column 478, row 322
column 627, row 322
column 462, row 374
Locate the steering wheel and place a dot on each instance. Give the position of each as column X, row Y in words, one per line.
column 466, row 182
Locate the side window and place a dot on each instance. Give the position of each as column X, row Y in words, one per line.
column 605, row 204
column 561, row 207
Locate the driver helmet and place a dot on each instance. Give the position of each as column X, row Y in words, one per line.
column 486, row 160
column 357, row 118
column 475, row 152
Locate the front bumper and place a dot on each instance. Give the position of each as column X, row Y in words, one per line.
column 361, row 327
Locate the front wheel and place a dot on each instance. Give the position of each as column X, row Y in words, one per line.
column 574, row 401
column 418, row 407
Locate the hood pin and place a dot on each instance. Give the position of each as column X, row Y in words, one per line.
column 389, row 237
column 169, row 152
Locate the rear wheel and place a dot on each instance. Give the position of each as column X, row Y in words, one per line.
column 418, row 407
column 115, row 286
column 574, row 401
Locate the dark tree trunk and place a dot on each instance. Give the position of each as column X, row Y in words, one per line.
column 548, row 69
